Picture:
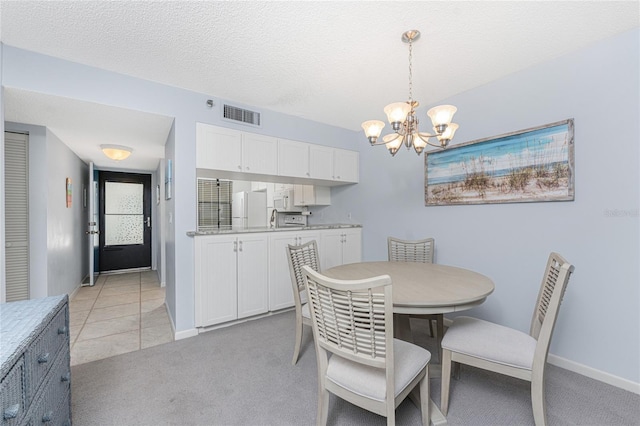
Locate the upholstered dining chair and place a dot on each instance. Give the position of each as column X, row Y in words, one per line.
column 300, row 255
column 358, row 358
column 416, row 251
column 507, row 351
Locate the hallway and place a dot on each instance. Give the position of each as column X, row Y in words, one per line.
column 119, row 314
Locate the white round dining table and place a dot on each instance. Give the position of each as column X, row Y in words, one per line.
column 423, row 288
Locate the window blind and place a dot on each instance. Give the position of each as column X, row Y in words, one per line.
column 214, row 203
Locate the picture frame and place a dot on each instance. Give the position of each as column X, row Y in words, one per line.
column 168, row 180
column 158, row 195
column 531, row 165
column 68, row 192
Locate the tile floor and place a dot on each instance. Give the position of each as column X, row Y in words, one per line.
column 120, row 313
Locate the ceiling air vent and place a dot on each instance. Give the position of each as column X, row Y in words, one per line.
column 241, row 115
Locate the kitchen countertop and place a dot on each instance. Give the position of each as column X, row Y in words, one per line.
column 217, row 231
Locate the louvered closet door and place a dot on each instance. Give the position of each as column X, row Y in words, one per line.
column 16, row 199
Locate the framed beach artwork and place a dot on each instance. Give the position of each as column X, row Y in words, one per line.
column 529, row 165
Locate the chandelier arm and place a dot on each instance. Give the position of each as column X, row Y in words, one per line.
column 427, row 139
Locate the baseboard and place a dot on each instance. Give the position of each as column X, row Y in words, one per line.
column 185, row 334
column 587, row 371
column 592, row 373
column 179, row 335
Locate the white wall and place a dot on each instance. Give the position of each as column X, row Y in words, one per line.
column 599, row 323
column 67, row 243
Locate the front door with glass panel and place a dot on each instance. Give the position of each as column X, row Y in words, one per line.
column 125, row 221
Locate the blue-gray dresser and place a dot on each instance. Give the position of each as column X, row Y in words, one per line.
column 35, row 367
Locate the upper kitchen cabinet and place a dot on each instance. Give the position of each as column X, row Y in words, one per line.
column 219, row 148
column 234, row 154
column 293, row 158
column 346, row 166
column 321, row 162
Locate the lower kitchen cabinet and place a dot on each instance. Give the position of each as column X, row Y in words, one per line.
column 246, row 274
column 230, row 277
column 280, row 287
column 340, row 246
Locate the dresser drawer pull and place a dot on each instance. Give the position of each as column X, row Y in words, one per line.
column 43, row 358
column 62, row 330
column 47, row 417
column 66, row 377
column 11, row 412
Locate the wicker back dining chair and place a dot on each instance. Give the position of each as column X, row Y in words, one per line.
column 507, row 351
column 358, row 358
column 300, row 255
column 416, row 251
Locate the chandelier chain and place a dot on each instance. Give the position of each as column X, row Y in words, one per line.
column 410, row 72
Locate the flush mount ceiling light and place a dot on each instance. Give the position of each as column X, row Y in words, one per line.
column 116, row 152
column 403, row 120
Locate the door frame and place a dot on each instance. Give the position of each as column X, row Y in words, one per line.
column 126, row 177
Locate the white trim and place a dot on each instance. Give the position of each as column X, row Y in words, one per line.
column 592, row 373
column 184, row 334
column 586, row 371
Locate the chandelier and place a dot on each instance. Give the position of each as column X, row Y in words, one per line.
column 403, row 120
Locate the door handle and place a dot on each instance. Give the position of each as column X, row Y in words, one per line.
column 148, row 221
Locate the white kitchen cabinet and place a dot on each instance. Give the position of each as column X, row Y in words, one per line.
column 321, row 159
column 340, row 246
column 293, row 158
column 346, row 166
column 230, row 277
column 280, row 287
column 259, row 154
column 311, row 195
column 219, row 148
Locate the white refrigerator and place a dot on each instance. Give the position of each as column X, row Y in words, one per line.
column 249, row 209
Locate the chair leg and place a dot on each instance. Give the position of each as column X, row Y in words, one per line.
column 432, row 331
column 446, row 381
column 425, row 399
column 298, row 344
column 537, row 400
column 323, row 407
column 391, row 415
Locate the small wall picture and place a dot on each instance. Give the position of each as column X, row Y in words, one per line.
column 531, row 165
column 157, row 195
column 68, row 191
column 167, row 180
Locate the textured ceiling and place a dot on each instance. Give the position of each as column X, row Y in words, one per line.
column 338, row 63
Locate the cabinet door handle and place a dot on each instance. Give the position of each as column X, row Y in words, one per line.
column 240, row 246
column 43, row 359
column 239, row 167
column 62, row 330
column 11, row 412
column 65, row 377
column 47, row 417
column 235, row 246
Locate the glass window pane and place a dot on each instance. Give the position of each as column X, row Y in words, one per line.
column 123, row 219
column 123, row 229
column 123, row 198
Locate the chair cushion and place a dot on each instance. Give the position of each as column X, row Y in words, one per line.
column 370, row 382
column 489, row 341
column 304, row 310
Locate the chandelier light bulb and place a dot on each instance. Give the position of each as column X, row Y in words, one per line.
column 372, row 129
column 397, row 112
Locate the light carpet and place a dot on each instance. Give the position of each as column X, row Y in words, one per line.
column 242, row 375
